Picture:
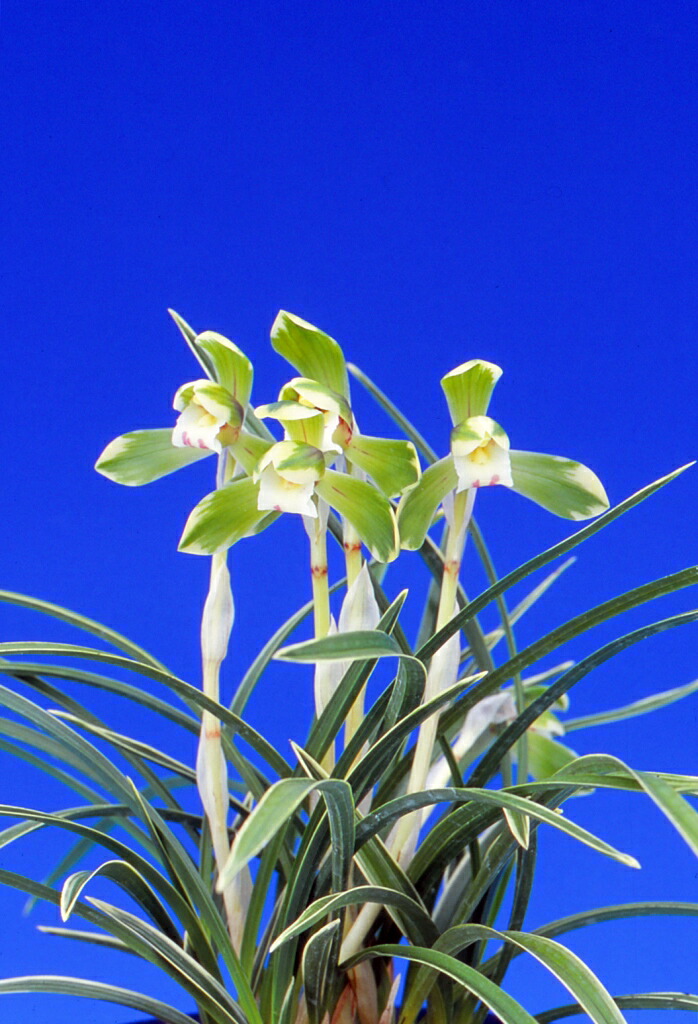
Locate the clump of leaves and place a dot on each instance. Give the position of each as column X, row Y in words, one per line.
column 361, row 880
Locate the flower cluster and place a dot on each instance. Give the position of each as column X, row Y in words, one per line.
column 323, row 458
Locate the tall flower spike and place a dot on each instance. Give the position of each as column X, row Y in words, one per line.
column 480, row 456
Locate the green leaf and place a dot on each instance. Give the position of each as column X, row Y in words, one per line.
column 189, row 335
column 563, row 487
column 392, row 465
column 319, row 964
column 469, row 387
column 55, row 984
column 354, row 646
column 81, row 622
column 572, row 972
column 232, row 369
column 279, row 803
column 222, row 518
column 638, row 1001
column 416, row 510
column 143, row 456
column 638, row 707
column 131, row 880
column 360, row 895
column 676, row 808
column 368, row 511
column 312, row 352
column 502, row 1004
column 155, row 947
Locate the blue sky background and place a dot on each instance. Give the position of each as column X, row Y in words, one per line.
column 428, row 183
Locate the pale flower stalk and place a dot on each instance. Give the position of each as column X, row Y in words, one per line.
column 211, row 766
column 443, row 672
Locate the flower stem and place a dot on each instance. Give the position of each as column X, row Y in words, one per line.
column 317, row 532
column 353, row 561
column 443, row 672
column 211, row 766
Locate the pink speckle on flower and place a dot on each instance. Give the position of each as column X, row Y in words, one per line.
column 185, row 438
column 201, row 443
column 495, row 479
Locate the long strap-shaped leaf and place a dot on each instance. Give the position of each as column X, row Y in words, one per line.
column 639, row 1001
column 499, row 1001
column 574, row 974
column 490, row 762
column 479, row 603
column 192, row 696
column 55, row 984
column 98, row 629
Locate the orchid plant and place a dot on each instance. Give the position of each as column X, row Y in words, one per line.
column 382, row 872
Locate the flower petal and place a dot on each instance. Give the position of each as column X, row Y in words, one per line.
column 368, row 511
column 416, row 510
column 313, row 353
column 300, row 422
column 392, row 465
column 469, row 387
column 144, row 455
column 222, row 518
column 232, row 369
column 563, row 487
column 317, row 395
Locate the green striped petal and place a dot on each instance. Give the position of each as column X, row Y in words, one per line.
column 222, row 518
column 417, row 509
column 392, row 465
column 313, row 353
column 249, row 449
column 368, row 511
column 300, row 422
column 231, row 367
column 563, row 487
column 469, row 387
column 144, row 455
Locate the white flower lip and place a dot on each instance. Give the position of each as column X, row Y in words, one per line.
column 277, row 494
column 287, row 475
column 197, row 428
column 480, row 451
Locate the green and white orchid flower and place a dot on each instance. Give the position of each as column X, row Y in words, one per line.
column 481, row 456
column 211, row 416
